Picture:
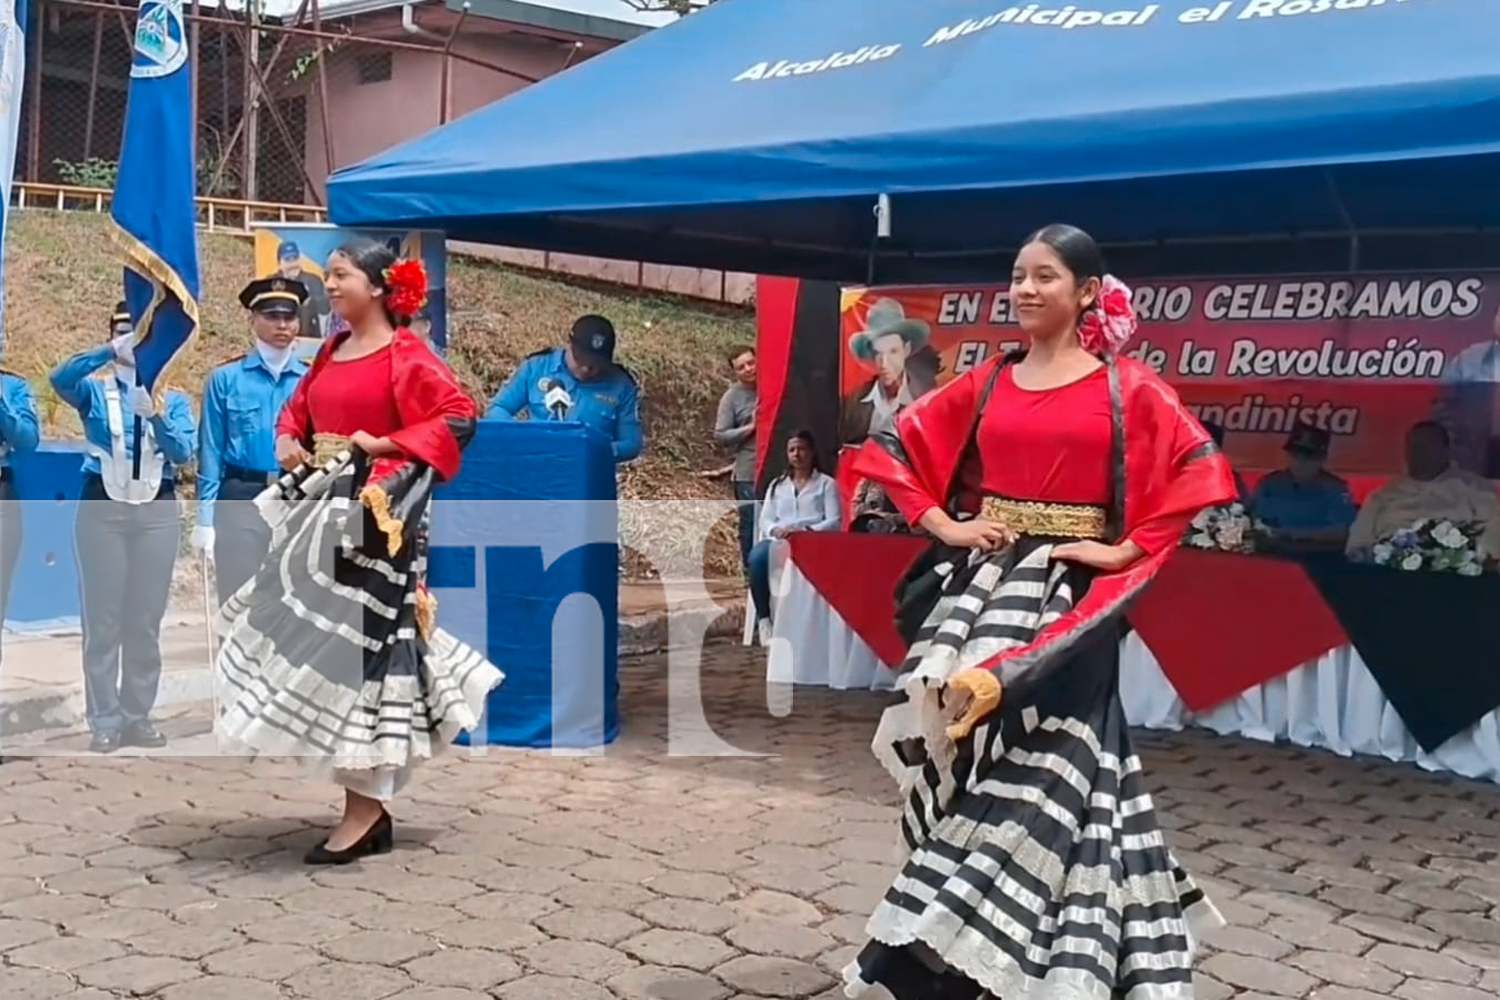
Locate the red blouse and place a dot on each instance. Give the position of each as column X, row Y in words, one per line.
column 355, row 395
column 1047, row 444
column 1053, row 445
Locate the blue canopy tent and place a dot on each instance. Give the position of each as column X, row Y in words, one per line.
column 758, row 135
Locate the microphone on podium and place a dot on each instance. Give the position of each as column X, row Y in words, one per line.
column 555, row 398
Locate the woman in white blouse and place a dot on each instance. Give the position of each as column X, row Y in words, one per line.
column 804, row 498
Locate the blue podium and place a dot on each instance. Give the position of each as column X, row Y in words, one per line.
column 524, row 557
column 44, row 591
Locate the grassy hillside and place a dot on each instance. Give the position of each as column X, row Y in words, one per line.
column 62, row 278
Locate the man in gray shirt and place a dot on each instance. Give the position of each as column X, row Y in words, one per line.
column 734, row 428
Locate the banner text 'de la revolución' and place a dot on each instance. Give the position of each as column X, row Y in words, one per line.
column 1363, row 356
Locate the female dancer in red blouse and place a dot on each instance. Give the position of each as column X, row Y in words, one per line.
column 330, row 651
column 1055, row 483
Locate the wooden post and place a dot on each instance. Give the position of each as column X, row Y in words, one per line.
column 34, row 126
column 322, row 53
column 88, row 120
column 194, row 69
column 250, row 107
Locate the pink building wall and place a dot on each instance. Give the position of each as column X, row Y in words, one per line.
column 366, row 118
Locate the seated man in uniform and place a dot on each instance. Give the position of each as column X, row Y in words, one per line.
column 1433, row 488
column 1306, row 508
column 237, row 433
column 579, row 382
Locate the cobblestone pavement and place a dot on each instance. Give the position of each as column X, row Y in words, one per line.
column 636, row 875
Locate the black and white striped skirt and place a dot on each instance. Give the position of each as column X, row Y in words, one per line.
column 1035, row 868
column 329, row 651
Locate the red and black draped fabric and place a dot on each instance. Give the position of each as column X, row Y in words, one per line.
column 1220, row 624
column 1426, row 638
column 797, row 357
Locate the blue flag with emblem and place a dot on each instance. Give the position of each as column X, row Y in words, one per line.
column 154, row 210
column 14, row 15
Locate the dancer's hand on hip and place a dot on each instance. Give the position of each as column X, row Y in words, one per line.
column 1109, row 558
column 978, row 533
column 290, row 453
column 375, row 447
column 977, row 694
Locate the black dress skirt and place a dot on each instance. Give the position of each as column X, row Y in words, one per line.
column 1035, row 867
column 330, row 652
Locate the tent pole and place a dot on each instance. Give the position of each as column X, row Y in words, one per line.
column 882, row 214
column 1348, row 220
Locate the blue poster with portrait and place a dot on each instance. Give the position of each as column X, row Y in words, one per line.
column 298, row 251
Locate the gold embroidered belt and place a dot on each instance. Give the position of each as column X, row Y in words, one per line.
column 326, row 447
column 1059, row 520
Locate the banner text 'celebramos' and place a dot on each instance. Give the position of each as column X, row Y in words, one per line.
column 1363, row 356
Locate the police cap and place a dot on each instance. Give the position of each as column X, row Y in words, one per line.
column 593, row 337
column 274, row 295
column 1309, row 440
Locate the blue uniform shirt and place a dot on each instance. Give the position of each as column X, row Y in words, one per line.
column 176, row 432
column 1282, row 502
column 237, row 422
column 610, row 404
column 19, row 429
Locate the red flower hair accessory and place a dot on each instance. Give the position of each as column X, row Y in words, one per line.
column 406, row 287
column 1110, row 324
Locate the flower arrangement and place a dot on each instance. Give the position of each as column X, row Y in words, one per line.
column 1226, row 528
column 1434, row 546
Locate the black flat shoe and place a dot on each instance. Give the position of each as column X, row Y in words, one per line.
column 377, row 840
column 143, row 734
column 104, row 743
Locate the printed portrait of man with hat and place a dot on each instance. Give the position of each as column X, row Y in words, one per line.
column 896, row 347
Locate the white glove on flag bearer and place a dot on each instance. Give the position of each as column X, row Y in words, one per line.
column 140, row 402
column 202, row 541
column 124, row 348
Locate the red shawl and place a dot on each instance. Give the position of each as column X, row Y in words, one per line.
column 437, row 416
column 1171, row 471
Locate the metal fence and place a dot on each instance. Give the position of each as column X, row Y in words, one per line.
column 282, row 102
column 274, row 98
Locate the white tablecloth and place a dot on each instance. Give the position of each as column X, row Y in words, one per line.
column 1332, row 703
column 811, row 643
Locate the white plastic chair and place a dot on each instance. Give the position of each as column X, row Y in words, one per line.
column 780, row 552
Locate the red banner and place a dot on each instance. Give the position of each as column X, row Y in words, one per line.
column 1363, row 356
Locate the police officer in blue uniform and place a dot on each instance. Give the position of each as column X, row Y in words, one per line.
column 580, row 382
column 19, row 432
column 237, row 433
column 126, row 533
column 1307, row 508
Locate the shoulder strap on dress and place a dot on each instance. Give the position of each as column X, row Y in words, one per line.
column 1115, row 528
column 973, row 445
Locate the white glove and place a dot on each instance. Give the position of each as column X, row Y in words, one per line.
column 124, row 348
column 140, row 402
column 557, row 397
column 203, row 541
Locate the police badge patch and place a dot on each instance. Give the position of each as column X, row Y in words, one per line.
column 160, row 40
